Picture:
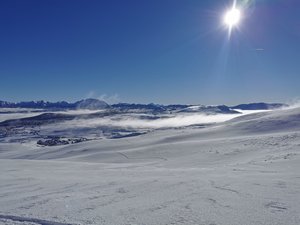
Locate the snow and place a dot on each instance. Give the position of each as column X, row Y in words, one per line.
column 240, row 171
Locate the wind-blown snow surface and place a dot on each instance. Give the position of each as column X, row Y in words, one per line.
column 240, row 172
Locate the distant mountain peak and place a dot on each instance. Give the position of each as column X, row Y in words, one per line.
column 91, row 103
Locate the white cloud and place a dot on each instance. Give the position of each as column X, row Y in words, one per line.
column 91, row 94
column 294, row 103
column 110, row 98
column 170, row 122
column 114, row 98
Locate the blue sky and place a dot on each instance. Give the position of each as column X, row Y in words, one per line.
column 161, row 51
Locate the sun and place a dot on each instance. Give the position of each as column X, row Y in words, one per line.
column 232, row 17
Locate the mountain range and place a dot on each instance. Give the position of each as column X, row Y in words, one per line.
column 95, row 104
column 82, row 104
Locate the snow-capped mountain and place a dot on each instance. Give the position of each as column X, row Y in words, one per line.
column 259, row 106
column 91, row 104
column 82, row 104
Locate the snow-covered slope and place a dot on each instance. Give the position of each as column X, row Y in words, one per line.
column 241, row 171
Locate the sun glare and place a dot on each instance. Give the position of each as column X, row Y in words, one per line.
column 232, row 17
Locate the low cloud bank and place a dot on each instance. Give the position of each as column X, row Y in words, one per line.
column 171, row 122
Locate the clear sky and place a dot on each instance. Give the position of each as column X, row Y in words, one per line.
column 161, row 51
